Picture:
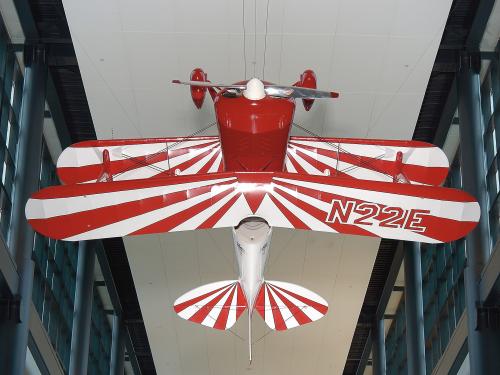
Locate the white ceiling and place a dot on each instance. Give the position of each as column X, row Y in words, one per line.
column 377, row 54
column 337, row 268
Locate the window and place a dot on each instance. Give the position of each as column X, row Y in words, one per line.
column 55, row 278
column 490, row 93
column 11, row 87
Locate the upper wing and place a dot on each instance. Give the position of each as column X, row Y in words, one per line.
column 368, row 159
column 132, row 159
column 329, row 204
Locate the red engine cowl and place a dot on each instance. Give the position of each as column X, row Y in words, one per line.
column 198, row 93
column 307, row 79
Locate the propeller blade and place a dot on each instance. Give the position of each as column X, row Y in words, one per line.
column 208, row 84
column 298, row 92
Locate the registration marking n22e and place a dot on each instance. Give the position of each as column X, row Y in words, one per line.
column 374, row 214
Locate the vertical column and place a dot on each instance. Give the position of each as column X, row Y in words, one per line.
column 414, row 311
column 472, row 160
column 26, row 182
column 84, row 293
column 117, row 347
column 378, row 347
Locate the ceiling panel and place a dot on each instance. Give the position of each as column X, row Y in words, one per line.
column 172, row 264
column 377, row 54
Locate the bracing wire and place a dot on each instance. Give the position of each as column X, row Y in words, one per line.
column 151, row 157
column 362, row 162
column 265, row 43
column 244, row 40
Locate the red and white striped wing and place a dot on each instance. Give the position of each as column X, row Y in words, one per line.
column 285, row 305
column 368, row 159
column 217, row 305
column 329, row 204
column 132, row 159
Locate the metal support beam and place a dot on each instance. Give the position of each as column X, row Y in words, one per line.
column 117, row 347
column 26, row 182
column 115, row 300
column 84, row 293
column 378, row 348
column 414, row 311
column 382, row 305
column 365, row 356
column 481, row 343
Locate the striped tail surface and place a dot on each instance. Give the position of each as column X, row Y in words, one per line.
column 217, row 305
column 284, row 305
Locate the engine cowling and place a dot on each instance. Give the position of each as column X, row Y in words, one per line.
column 198, row 93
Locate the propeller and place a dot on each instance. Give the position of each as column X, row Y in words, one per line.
column 209, row 84
column 255, row 89
column 298, row 92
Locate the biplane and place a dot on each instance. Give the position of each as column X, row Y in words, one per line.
column 251, row 177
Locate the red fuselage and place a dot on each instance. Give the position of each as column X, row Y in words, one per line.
column 253, row 133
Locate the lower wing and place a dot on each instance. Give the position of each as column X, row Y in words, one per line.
column 180, row 203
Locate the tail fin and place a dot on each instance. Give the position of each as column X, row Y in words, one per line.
column 284, row 305
column 217, row 305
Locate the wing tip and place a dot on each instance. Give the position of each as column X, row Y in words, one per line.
column 177, row 81
column 334, row 94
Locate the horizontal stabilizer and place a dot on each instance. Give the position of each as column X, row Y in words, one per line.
column 217, row 305
column 221, row 200
column 285, row 305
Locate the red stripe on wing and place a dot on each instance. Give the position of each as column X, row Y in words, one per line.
column 279, row 322
column 91, row 172
column 139, row 141
column 417, row 173
column 296, row 165
column 185, row 165
column 432, row 192
column 171, row 222
column 291, row 217
column 296, row 311
column 321, row 215
column 66, row 226
column 214, row 218
column 309, row 302
column 221, row 321
column 203, row 312
column 210, row 162
column 68, row 191
column 184, row 305
column 241, row 302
